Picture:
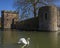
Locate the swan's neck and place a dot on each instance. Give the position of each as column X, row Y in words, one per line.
column 27, row 41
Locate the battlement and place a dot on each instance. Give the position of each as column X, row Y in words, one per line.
column 6, row 11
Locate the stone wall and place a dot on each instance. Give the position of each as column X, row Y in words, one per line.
column 0, row 22
column 58, row 17
column 29, row 24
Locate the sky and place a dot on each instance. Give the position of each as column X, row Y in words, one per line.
column 57, row 2
column 8, row 4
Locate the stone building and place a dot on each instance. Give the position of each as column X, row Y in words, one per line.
column 0, row 22
column 58, row 17
column 48, row 18
column 8, row 18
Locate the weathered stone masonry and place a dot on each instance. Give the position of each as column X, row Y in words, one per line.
column 48, row 18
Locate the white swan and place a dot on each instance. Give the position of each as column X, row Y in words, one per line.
column 24, row 41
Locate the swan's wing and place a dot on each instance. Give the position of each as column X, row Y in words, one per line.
column 23, row 40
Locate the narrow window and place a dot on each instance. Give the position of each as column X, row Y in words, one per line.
column 45, row 16
column 7, row 15
column 7, row 19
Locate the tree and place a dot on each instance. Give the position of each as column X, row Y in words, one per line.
column 28, row 7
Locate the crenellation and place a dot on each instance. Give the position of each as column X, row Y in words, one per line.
column 12, row 12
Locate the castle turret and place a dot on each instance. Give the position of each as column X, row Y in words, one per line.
column 48, row 18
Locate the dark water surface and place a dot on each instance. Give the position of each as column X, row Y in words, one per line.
column 9, row 39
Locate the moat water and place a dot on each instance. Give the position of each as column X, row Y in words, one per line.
column 9, row 39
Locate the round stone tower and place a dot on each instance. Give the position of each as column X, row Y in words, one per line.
column 48, row 18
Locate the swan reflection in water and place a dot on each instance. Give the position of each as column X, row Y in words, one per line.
column 24, row 41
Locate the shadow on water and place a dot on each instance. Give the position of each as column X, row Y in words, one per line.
column 9, row 39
